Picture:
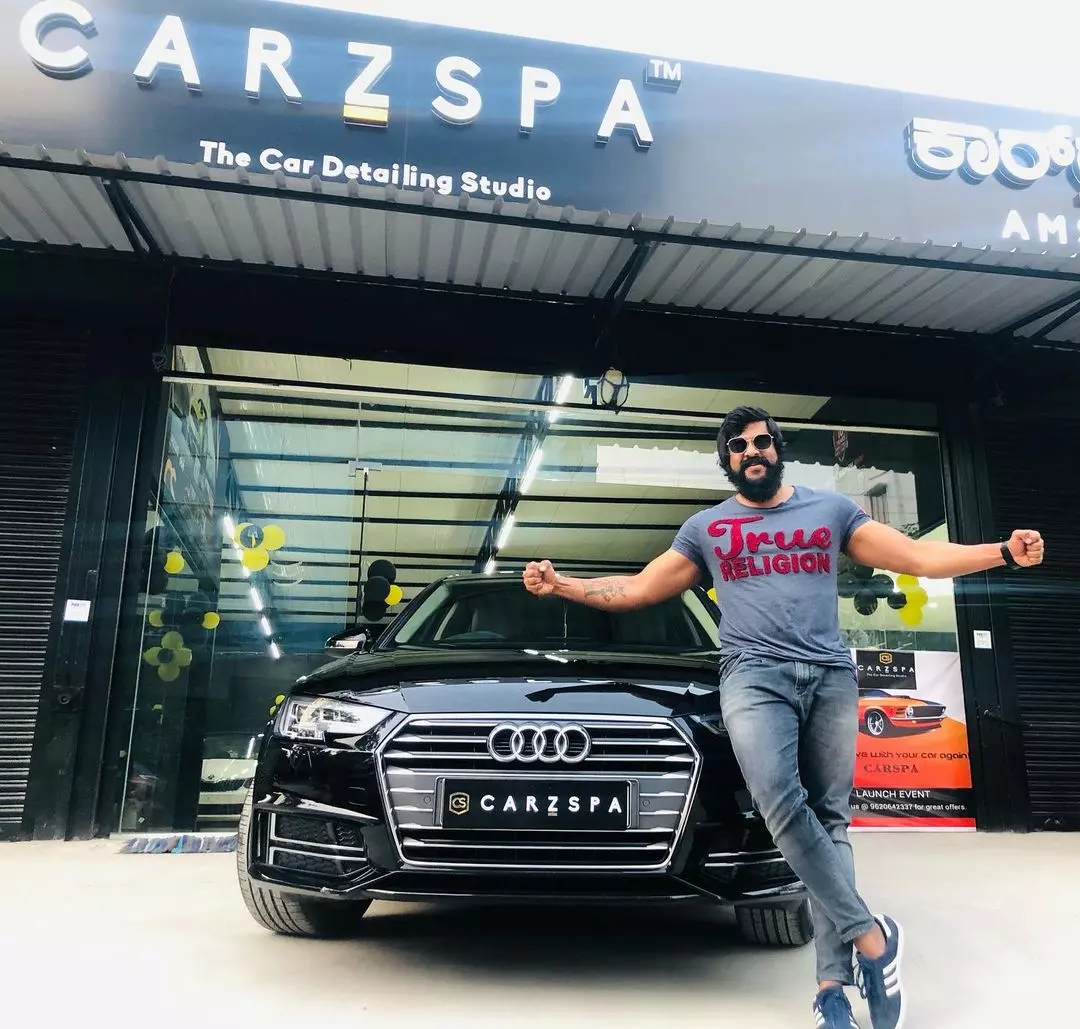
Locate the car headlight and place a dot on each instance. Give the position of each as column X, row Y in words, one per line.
column 327, row 720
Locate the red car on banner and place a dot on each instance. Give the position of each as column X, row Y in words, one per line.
column 883, row 714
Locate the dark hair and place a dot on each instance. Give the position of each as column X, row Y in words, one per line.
column 737, row 420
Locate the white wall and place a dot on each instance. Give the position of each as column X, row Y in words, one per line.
column 1014, row 55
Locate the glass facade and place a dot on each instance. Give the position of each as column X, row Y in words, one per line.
column 332, row 493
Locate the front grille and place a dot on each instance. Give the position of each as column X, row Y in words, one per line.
column 220, row 812
column 224, row 785
column 317, row 846
column 298, row 861
column 652, row 753
column 928, row 711
column 748, row 868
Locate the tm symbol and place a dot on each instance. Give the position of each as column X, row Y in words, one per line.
column 664, row 74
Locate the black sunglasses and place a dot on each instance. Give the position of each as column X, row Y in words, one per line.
column 738, row 445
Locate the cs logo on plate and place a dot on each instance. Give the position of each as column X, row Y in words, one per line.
column 459, row 803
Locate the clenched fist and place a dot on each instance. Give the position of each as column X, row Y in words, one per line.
column 539, row 578
column 1026, row 545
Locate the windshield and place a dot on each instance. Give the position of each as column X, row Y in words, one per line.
column 233, row 746
column 500, row 614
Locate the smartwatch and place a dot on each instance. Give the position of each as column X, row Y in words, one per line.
column 1010, row 561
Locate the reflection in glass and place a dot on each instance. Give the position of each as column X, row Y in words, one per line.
column 280, row 510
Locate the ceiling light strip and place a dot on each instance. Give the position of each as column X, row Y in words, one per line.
column 504, row 532
column 531, row 471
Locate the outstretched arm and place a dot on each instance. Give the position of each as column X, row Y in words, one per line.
column 667, row 576
column 881, row 546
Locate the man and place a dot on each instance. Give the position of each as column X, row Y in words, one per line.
column 788, row 686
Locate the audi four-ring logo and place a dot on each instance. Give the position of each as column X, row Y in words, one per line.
column 548, row 744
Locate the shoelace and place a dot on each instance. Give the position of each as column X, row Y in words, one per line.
column 835, row 1004
column 869, row 986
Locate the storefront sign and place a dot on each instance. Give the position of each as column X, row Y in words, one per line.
column 913, row 768
column 264, row 86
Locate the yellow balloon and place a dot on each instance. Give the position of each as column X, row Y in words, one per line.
column 170, row 673
column 279, row 698
column 273, row 537
column 906, row 582
column 255, row 560
column 172, row 641
column 911, row 615
column 712, row 595
column 211, row 620
column 175, row 563
column 395, row 595
column 183, row 657
column 157, row 618
column 152, row 656
column 917, row 597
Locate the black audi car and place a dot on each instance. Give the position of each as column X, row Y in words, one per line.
column 492, row 744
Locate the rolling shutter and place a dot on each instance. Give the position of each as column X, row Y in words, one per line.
column 39, row 405
column 1035, row 486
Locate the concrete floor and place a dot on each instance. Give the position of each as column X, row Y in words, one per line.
column 164, row 940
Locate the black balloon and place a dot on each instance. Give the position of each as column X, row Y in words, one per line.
column 865, row 602
column 374, row 611
column 862, row 572
column 376, row 589
column 383, row 569
column 172, row 613
column 897, row 601
column 159, row 578
column 195, row 607
column 881, row 586
column 847, row 585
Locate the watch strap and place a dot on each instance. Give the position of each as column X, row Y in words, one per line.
column 1006, row 553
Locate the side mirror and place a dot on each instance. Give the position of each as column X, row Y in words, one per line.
column 353, row 641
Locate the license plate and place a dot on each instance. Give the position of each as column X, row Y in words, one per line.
column 535, row 804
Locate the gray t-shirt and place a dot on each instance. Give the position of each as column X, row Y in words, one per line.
column 774, row 570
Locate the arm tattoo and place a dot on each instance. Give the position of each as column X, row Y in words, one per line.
column 606, row 589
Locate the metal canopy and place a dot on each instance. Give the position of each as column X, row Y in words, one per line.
column 151, row 210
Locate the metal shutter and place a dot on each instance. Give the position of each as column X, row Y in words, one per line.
column 39, row 405
column 1033, row 485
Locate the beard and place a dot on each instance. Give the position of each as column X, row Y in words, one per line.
column 758, row 489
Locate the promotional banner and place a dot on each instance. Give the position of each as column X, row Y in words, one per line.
column 270, row 87
column 913, row 768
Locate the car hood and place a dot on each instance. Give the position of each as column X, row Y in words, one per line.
column 516, row 681
column 900, row 698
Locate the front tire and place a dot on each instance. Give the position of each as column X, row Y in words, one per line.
column 877, row 724
column 776, row 927
column 292, row 914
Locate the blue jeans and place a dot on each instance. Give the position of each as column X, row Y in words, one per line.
column 793, row 727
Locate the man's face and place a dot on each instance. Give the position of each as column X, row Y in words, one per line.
column 756, row 469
